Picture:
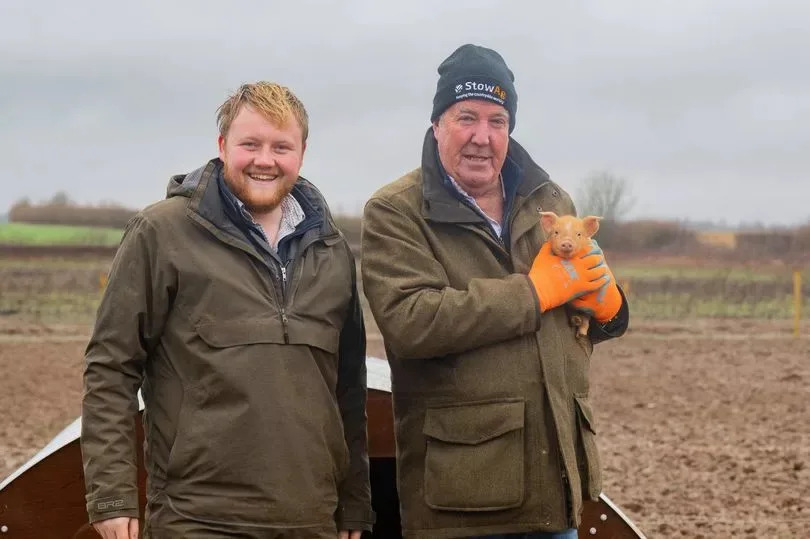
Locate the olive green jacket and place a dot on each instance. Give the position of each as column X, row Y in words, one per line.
column 253, row 379
column 493, row 421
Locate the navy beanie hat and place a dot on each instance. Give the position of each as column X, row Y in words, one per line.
column 474, row 72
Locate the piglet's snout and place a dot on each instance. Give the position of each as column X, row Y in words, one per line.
column 566, row 246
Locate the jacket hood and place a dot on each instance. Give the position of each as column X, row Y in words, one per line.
column 184, row 185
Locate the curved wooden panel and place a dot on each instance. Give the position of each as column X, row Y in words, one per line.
column 47, row 500
column 380, row 425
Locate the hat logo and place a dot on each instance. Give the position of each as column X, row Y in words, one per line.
column 480, row 89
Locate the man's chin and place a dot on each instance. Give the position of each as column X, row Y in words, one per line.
column 262, row 205
column 478, row 178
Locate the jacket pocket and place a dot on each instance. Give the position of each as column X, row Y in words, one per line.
column 231, row 333
column 589, row 467
column 475, row 458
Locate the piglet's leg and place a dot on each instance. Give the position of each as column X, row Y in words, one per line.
column 581, row 322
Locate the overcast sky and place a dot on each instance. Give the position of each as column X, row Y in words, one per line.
column 703, row 105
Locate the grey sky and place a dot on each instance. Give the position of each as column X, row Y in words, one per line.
column 704, row 105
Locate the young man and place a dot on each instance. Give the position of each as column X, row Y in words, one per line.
column 233, row 306
column 494, row 428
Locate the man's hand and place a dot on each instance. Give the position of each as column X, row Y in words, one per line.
column 604, row 303
column 353, row 534
column 118, row 528
column 557, row 280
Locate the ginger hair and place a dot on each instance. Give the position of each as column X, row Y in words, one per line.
column 275, row 102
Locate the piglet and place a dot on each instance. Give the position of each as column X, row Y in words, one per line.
column 568, row 235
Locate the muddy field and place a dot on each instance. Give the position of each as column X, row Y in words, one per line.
column 703, row 430
column 703, row 424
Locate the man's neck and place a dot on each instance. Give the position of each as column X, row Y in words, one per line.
column 489, row 199
column 491, row 203
column 270, row 223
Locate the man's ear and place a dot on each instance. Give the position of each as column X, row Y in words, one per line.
column 591, row 225
column 547, row 220
column 221, row 147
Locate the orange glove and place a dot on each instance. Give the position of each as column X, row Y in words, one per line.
column 603, row 304
column 558, row 280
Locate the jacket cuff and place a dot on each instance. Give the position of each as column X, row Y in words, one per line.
column 614, row 327
column 538, row 313
column 123, row 505
column 355, row 517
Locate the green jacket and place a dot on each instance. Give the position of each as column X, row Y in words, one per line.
column 254, row 380
column 494, row 427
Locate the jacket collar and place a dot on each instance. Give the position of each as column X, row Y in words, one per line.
column 441, row 205
column 201, row 186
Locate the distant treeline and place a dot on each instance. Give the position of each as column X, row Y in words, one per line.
column 61, row 211
column 638, row 237
column 672, row 238
column 630, row 236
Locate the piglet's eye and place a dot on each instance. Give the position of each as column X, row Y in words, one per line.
column 579, row 234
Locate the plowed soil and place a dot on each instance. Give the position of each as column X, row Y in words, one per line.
column 703, row 428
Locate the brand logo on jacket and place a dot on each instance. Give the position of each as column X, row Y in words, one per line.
column 111, row 504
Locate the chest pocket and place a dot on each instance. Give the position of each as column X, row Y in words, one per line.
column 234, row 333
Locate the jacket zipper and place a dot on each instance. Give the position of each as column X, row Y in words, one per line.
column 283, row 295
column 284, row 320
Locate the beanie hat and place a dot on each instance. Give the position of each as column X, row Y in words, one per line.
column 475, row 72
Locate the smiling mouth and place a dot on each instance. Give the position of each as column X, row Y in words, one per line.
column 263, row 177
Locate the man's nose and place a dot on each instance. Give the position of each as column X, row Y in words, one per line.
column 264, row 157
column 480, row 135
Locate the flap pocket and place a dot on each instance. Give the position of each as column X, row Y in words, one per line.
column 269, row 331
column 311, row 333
column 239, row 332
column 473, row 423
column 470, row 445
column 587, row 414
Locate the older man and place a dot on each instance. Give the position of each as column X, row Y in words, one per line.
column 232, row 304
column 495, row 433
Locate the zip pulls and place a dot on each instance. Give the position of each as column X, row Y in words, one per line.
column 284, row 319
column 285, row 294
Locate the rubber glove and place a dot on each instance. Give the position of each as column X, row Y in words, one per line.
column 604, row 303
column 558, row 280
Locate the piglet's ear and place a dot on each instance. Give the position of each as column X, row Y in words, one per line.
column 547, row 220
column 591, row 225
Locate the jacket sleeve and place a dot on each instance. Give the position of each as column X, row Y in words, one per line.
column 419, row 314
column 128, row 324
column 612, row 328
column 354, row 493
